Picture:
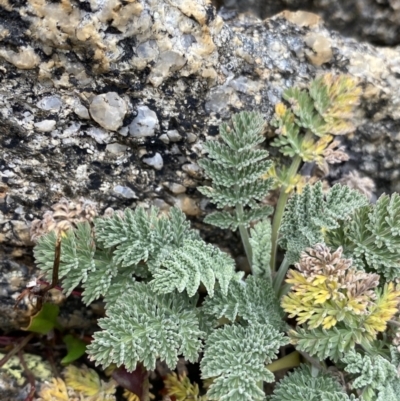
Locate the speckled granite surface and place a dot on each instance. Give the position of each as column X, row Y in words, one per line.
column 375, row 21
column 113, row 101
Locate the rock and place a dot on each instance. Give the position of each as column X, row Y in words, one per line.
column 190, row 137
column 25, row 59
column 220, row 100
column 376, row 21
column 148, row 51
column 164, row 138
column 302, row 18
column 99, row 135
column 124, row 131
column 155, row 161
column 188, row 205
column 175, row 188
column 81, row 111
column 144, row 124
column 161, row 205
column 192, row 169
column 72, row 129
column 169, row 61
column 108, row 110
column 53, row 103
column 213, row 68
column 321, row 49
column 173, row 135
column 126, row 192
column 21, row 232
column 116, row 148
column 45, row 125
column 245, row 85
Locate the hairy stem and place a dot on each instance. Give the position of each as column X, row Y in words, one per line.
column 280, row 208
column 244, row 234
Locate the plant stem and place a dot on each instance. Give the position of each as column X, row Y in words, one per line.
column 280, row 208
column 16, row 349
column 284, row 290
column 280, row 275
column 29, row 375
column 289, row 361
column 315, row 363
column 244, row 234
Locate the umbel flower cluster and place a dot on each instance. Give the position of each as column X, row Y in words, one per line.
column 326, row 291
column 327, row 313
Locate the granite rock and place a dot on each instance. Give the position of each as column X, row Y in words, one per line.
column 176, row 69
column 108, row 110
column 375, row 21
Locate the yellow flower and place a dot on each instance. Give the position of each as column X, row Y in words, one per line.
column 296, row 278
column 385, row 307
column 319, row 279
column 321, row 295
column 181, row 388
column 312, row 151
column 322, row 144
column 280, row 109
column 303, row 317
column 56, row 390
column 356, row 307
column 129, row 396
column 325, row 290
column 86, row 382
column 329, row 322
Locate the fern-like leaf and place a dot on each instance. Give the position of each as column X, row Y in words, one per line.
column 236, row 167
column 246, row 194
column 303, row 385
column 289, row 141
column 375, row 375
column 261, row 245
column 236, row 357
column 303, row 108
column 44, row 254
column 193, row 263
column 140, row 236
column 332, row 343
column 142, row 326
column 77, row 256
column 334, row 99
column 100, row 278
column 309, row 214
column 244, row 176
column 121, row 248
column 253, row 300
column 375, row 235
column 246, row 132
column 324, row 110
column 229, row 159
column 233, row 221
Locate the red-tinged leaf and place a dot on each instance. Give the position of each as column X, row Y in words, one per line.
column 136, row 382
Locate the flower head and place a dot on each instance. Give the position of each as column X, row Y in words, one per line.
column 327, row 289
